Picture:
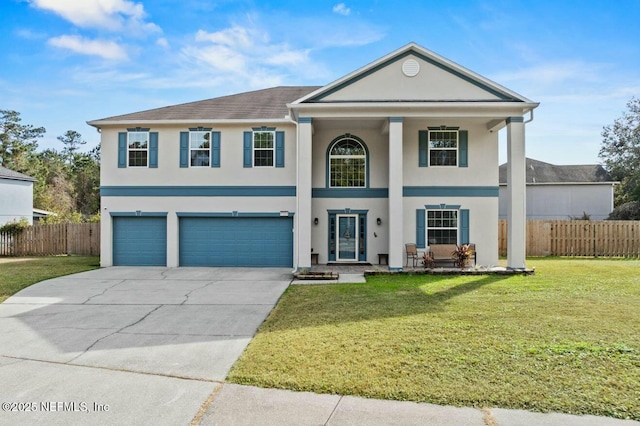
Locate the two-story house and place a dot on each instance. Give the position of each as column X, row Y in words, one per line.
column 403, row 150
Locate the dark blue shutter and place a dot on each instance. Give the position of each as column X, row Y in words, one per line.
column 362, row 256
column 122, row 149
column 420, row 228
column 279, row 149
column 215, row 149
column 184, row 149
column 333, row 238
column 248, row 151
column 423, row 160
column 463, row 148
column 153, row 150
column 464, row 226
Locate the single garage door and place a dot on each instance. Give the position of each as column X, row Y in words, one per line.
column 140, row 241
column 236, row 241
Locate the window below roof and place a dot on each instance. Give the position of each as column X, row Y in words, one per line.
column 443, row 147
column 138, row 149
column 263, row 148
column 347, row 164
column 200, row 148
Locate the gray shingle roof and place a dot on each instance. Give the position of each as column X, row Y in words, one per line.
column 540, row 172
column 259, row 104
column 10, row 174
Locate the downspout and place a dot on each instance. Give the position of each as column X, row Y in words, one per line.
column 531, row 117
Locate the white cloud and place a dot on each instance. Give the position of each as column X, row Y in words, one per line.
column 103, row 48
column 235, row 36
column 114, row 15
column 342, row 9
column 245, row 54
column 162, row 42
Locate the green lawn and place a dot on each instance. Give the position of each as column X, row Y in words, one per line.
column 15, row 276
column 566, row 339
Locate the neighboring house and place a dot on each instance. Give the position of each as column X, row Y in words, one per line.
column 400, row 151
column 16, row 196
column 39, row 214
column 563, row 192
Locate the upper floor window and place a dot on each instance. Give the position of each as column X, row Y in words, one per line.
column 347, row 164
column 138, row 149
column 263, row 148
column 200, row 148
column 443, row 147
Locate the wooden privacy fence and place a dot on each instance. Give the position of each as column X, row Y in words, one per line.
column 607, row 238
column 46, row 240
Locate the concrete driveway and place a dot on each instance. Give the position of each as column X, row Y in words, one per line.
column 128, row 345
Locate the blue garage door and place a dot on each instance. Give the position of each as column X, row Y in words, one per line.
column 140, row 241
column 236, row 241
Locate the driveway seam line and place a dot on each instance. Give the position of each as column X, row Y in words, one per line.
column 333, row 411
column 205, row 406
column 488, row 417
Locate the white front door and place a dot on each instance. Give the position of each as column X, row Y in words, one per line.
column 347, row 237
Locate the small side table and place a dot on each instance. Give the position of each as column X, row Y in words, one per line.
column 314, row 258
column 383, row 256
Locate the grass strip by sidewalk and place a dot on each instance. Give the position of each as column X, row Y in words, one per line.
column 565, row 339
column 14, row 276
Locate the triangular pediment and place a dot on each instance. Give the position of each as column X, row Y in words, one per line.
column 413, row 74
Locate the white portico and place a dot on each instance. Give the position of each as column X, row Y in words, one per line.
column 398, row 108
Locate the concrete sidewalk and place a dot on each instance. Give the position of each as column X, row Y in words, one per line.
column 247, row 405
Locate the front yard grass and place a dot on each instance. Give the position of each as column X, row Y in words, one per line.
column 566, row 339
column 14, row 276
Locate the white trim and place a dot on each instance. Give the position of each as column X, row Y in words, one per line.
column 456, row 228
column 129, row 149
column 364, row 156
column 191, row 132
column 613, row 183
column 272, row 149
column 456, row 149
column 356, row 237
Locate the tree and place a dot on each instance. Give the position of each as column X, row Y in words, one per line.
column 86, row 181
column 620, row 152
column 18, row 142
column 626, row 211
column 72, row 141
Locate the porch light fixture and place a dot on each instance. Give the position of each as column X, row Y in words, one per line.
column 379, row 221
column 315, row 221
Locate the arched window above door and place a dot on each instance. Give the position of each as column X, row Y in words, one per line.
column 347, row 162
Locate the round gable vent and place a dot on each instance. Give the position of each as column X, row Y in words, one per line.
column 410, row 67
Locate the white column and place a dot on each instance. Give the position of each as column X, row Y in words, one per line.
column 303, row 195
column 172, row 240
column 396, row 244
column 106, row 234
column 516, row 188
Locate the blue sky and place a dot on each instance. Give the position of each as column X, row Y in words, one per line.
column 69, row 61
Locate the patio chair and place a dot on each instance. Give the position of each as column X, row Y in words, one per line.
column 412, row 253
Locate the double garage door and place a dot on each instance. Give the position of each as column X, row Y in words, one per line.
column 205, row 241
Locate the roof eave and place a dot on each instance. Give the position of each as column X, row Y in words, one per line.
column 566, row 183
column 100, row 123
